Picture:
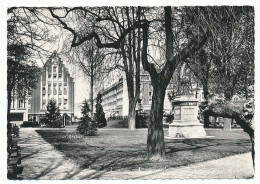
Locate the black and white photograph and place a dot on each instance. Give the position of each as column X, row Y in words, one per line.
column 128, row 92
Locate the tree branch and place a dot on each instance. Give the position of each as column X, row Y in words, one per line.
column 78, row 41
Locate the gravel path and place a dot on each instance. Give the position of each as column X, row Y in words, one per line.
column 40, row 160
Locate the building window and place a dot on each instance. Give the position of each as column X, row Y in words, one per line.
column 43, row 106
column 29, row 104
column 54, row 76
column 54, row 68
column 12, row 104
column 43, row 91
column 49, row 75
column 60, row 75
column 20, row 103
column 65, row 91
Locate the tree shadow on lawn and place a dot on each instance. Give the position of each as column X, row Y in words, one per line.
column 100, row 154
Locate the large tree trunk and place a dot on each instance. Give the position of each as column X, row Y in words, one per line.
column 132, row 104
column 155, row 138
column 91, row 95
column 206, row 120
column 206, row 115
column 9, row 101
column 160, row 81
column 131, row 115
column 253, row 149
column 242, row 111
column 129, row 73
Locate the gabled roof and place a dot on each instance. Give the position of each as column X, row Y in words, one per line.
column 54, row 59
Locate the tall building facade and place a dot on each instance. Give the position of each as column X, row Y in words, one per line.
column 54, row 83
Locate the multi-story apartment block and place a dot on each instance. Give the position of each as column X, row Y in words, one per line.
column 55, row 83
column 115, row 96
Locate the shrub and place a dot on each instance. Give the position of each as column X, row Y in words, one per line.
column 53, row 117
column 30, row 124
column 86, row 125
column 169, row 118
column 142, row 120
column 100, row 115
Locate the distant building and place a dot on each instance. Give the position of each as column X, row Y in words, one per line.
column 115, row 96
column 19, row 109
column 54, row 83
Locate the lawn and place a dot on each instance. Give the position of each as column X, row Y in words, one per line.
column 121, row 149
column 117, row 124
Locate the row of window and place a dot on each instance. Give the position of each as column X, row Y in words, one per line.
column 65, row 102
column 55, row 84
column 44, row 106
column 59, row 100
column 55, row 92
column 20, row 104
column 113, row 92
column 55, row 75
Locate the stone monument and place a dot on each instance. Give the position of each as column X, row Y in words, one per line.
column 186, row 123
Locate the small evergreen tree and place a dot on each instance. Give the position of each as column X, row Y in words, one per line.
column 100, row 115
column 53, row 117
column 86, row 125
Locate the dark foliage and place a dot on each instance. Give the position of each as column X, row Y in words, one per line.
column 169, row 118
column 142, row 120
column 30, row 124
column 100, row 115
column 53, row 117
column 86, row 125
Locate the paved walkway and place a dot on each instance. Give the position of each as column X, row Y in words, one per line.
column 40, row 160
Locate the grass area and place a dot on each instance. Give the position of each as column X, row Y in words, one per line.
column 117, row 124
column 126, row 150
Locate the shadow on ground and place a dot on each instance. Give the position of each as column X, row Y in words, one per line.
column 126, row 150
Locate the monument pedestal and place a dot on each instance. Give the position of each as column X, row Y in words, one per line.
column 186, row 123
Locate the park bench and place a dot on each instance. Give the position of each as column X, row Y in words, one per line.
column 14, row 154
column 15, row 149
column 12, row 172
column 12, row 167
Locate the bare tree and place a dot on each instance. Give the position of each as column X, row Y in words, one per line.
column 120, row 27
column 31, row 27
column 90, row 60
column 22, row 71
column 160, row 81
